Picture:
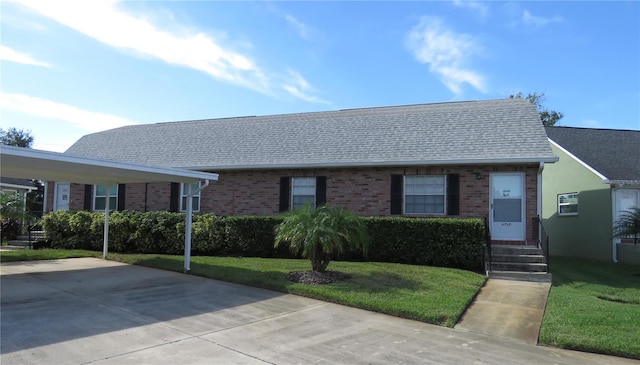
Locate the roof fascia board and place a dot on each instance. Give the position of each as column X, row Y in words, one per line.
column 584, row 164
column 14, row 186
column 182, row 175
column 500, row 161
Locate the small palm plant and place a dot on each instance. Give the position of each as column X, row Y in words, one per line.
column 628, row 224
column 319, row 234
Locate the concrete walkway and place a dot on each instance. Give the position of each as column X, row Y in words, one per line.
column 81, row 311
column 507, row 308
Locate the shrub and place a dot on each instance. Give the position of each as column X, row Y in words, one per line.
column 446, row 242
column 9, row 228
column 251, row 236
column 321, row 233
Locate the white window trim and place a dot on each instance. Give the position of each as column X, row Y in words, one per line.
column 315, row 186
column 560, row 214
column 113, row 207
column 183, row 197
column 444, row 193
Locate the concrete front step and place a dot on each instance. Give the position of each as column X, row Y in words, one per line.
column 516, row 250
column 540, row 277
column 518, row 266
column 539, row 259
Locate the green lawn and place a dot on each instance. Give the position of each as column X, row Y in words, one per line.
column 593, row 306
column 45, row 254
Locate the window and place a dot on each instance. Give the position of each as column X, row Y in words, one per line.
column 100, row 197
column 568, row 204
column 303, row 190
column 195, row 199
column 424, row 194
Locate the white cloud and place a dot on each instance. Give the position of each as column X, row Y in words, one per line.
column 446, row 52
column 538, row 21
column 8, row 54
column 297, row 86
column 104, row 21
column 302, row 28
column 479, row 8
column 83, row 119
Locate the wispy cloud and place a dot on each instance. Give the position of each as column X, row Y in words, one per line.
column 84, row 119
column 302, row 28
column 447, row 53
column 478, row 7
column 297, row 86
column 184, row 46
column 529, row 19
column 8, row 54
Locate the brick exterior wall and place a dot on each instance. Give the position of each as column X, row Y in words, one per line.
column 364, row 191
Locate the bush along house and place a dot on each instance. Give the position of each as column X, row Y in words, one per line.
column 458, row 159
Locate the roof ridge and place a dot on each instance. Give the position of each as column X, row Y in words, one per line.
column 335, row 111
column 593, row 129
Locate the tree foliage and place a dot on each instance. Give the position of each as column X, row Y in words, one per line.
column 16, row 137
column 319, row 234
column 548, row 117
column 628, row 224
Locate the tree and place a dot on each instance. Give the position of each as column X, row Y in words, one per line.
column 320, row 233
column 549, row 117
column 628, row 224
column 23, row 138
column 16, row 137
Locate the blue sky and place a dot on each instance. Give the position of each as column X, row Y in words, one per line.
column 69, row 68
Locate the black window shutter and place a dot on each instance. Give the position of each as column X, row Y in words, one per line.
column 284, row 193
column 122, row 189
column 88, row 197
column 397, row 182
column 321, row 190
column 453, row 194
column 174, row 198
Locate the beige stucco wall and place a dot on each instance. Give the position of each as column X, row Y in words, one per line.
column 589, row 233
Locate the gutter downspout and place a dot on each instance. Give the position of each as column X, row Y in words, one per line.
column 614, row 208
column 189, row 220
column 539, row 197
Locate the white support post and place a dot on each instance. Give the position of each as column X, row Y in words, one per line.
column 189, row 219
column 105, row 245
column 187, row 232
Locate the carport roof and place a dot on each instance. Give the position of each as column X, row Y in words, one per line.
column 18, row 162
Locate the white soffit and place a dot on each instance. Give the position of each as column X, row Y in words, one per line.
column 27, row 163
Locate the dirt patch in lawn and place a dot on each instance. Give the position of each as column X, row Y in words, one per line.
column 317, row 278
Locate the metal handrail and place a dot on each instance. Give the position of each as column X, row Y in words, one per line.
column 487, row 239
column 543, row 241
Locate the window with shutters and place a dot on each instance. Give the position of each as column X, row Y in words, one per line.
column 303, row 190
column 100, row 197
column 424, row 194
column 195, row 199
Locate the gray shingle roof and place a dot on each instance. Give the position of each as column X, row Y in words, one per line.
column 507, row 130
column 612, row 152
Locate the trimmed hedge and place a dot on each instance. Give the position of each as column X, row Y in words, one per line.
column 446, row 242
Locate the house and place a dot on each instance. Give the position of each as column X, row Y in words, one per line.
column 596, row 178
column 458, row 159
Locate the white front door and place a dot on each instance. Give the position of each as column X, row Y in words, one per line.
column 62, row 191
column 625, row 199
column 507, row 206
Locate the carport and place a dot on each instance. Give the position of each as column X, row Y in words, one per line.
column 26, row 163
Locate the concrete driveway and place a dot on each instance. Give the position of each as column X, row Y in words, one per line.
column 80, row 311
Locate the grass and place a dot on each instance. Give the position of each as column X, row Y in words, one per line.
column 45, row 254
column 593, row 306
column 428, row 294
